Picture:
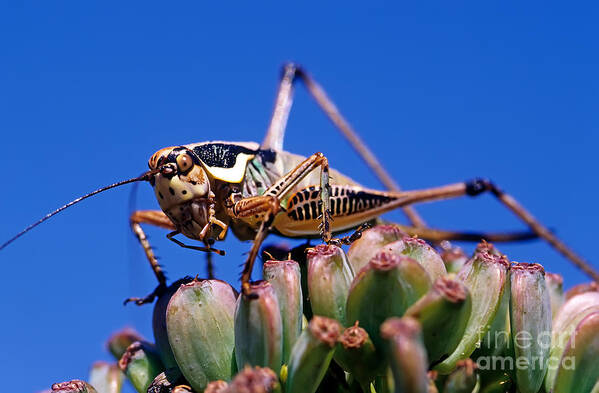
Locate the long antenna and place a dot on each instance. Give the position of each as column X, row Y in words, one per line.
column 143, row 177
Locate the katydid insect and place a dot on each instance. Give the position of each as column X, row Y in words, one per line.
column 206, row 189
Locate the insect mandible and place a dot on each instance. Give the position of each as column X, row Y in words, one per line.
column 206, row 189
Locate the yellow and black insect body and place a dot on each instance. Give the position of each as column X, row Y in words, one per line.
column 205, row 189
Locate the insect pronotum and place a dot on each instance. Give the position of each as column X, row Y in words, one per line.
column 204, row 189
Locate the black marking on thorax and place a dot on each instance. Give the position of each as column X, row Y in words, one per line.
column 221, row 155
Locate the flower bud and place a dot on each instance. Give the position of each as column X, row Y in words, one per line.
column 278, row 251
column 370, row 243
column 568, row 318
column 74, row 386
column 159, row 323
column 329, row 278
column 258, row 328
column 486, row 277
column 199, row 321
column 254, row 380
column 284, row 276
column 421, row 252
column 488, row 247
column 453, row 257
column 463, row 379
column 356, row 354
column 118, row 342
column 555, row 286
column 166, row 381
column 384, row 288
column 219, row 386
column 443, row 314
column 311, row 355
column 406, row 353
column 581, row 288
column 141, row 363
column 530, row 319
column 578, row 368
column 106, row 377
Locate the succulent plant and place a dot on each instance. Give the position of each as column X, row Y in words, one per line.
column 258, row 329
column 329, row 278
column 391, row 315
column 285, row 278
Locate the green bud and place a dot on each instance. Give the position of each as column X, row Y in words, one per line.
column 356, row 354
column 118, row 343
column 141, row 364
column 406, row 353
column 74, row 386
column 581, row 288
column 530, row 318
column 421, row 252
column 106, row 377
column 311, row 355
column 384, row 288
column 568, row 318
column 199, row 321
column 555, row 286
column 463, row 379
column 370, row 243
column 277, row 252
column 329, row 278
column 284, row 276
column 258, row 328
column 159, row 323
column 497, row 340
column 486, row 277
column 578, row 369
column 219, row 386
column 453, row 257
column 166, row 381
column 443, row 314
column 254, row 380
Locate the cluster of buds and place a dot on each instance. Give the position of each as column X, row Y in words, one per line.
column 392, row 314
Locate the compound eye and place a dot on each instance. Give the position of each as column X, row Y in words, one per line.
column 184, row 162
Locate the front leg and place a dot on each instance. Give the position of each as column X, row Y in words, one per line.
column 261, row 209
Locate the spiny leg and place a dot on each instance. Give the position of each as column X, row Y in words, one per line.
column 479, row 186
column 286, row 184
column 278, row 123
column 263, row 208
column 157, row 218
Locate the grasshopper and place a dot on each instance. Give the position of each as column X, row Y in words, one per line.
column 204, row 189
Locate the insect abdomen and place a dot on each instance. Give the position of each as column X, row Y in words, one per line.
column 345, row 201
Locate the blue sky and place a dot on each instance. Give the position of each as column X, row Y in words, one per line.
column 442, row 92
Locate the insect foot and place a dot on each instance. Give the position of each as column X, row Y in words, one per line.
column 140, row 301
column 374, row 319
